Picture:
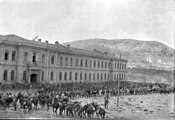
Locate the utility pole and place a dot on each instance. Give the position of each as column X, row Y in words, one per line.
column 118, row 83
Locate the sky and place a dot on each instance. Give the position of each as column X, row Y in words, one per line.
column 69, row 20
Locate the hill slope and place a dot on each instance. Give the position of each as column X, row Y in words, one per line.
column 140, row 54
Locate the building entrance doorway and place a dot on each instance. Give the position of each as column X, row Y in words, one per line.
column 33, row 78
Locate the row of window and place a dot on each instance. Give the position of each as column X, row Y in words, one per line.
column 12, row 75
column 65, row 61
column 13, row 55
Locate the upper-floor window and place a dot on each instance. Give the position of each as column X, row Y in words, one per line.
column 101, row 64
column 61, row 61
column 77, row 62
column 65, row 76
column 71, row 61
column 97, row 76
column 85, row 76
column 25, row 56
column 94, row 76
column 81, row 63
column 94, row 63
column 80, row 76
column 89, row 76
column 101, row 76
column 98, row 64
column 13, row 55
column 90, row 63
column 43, row 58
column 6, row 56
column 52, row 59
column 86, row 63
column 66, row 61
column 105, row 64
column 34, row 57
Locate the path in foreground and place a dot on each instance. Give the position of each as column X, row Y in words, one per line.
column 133, row 107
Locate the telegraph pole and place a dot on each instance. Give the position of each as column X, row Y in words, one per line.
column 118, row 83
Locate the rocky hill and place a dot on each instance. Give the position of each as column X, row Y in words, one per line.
column 140, row 54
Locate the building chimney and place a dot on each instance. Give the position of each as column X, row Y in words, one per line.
column 39, row 40
column 56, row 42
column 46, row 41
column 68, row 45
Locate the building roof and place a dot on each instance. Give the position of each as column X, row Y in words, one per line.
column 19, row 41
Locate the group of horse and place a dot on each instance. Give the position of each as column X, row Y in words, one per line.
column 28, row 101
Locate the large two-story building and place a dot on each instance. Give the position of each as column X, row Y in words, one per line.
column 31, row 61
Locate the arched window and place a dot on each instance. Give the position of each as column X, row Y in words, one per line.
column 66, row 61
column 13, row 55
column 43, row 58
column 51, row 76
column 12, row 75
column 89, row 76
column 61, row 61
column 5, row 74
column 94, row 76
column 80, row 76
column 60, row 76
column 81, row 63
column 77, row 62
column 42, row 75
column 70, row 76
column 65, row 76
column 76, row 76
column 24, row 75
column 85, row 76
column 71, row 61
column 25, row 56
column 6, row 55
column 52, row 59
column 34, row 57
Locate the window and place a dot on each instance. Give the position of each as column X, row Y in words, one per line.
column 81, row 64
column 51, row 76
column 6, row 57
column 89, row 76
column 86, row 63
column 94, row 63
column 118, row 66
column 94, row 76
column 71, row 61
column 101, row 76
column 97, row 76
column 61, row 61
column 108, row 76
column 43, row 58
column 115, row 77
column 5, row 74
column 76, row 76
column 80, row 76
column 65, row 76
column 85, row 76
column 34, row 57
column 77, row 62
column 105, row 64
column 105, row 76
column 25, row 56
column 60, row 75
column 24, row 75
column 70, row 76
column 52, row 59
column 109, row 65
column 13, row 56
column 101, row 64
column 12, row 75
column 98, row 64
column 90, row 63
column 66, row 61
column 42, row 75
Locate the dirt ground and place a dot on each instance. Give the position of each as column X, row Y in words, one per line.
column 132, row 107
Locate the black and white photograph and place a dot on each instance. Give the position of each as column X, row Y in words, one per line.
column 87, row 59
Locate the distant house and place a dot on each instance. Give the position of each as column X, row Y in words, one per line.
column 30, row 61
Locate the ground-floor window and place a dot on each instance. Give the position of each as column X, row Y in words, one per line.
column 5, row 74
column 51, row 76
column 24, row 75
column 42, row 76
column 12, row 75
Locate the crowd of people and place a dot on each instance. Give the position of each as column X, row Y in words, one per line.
column 59, row 96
